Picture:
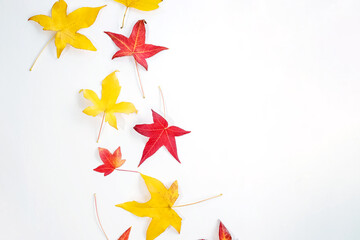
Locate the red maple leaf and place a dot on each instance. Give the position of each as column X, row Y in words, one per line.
column 125, row 235
column 135, row 45
column 111, row 161
column 224, row 233
column 160, row 134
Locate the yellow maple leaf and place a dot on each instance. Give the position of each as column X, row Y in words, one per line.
column 158, row 208
column 107, row 104
column 143, row 5
column 66, row 25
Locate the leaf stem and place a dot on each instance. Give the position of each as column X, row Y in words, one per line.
column 163, row 101
column 41, row 52
column 102, row 122
column 122, row 25
column 98, row 218
column 184, row 205
column 137, row 69
column 124, row 170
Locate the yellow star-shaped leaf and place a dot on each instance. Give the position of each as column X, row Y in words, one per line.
column 66, row 26
column 107, row 104
column 158, row 208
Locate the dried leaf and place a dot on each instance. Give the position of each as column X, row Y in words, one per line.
column 223, row 232
column 111, row 161
column 66, row 26
column 107, row 104
column 144, row 5
column 158, row 208
column 135, row 45
column 160, row 134
column 125, row 235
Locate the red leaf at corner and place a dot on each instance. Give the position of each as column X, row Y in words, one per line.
column 224, row 233
column 125, row 235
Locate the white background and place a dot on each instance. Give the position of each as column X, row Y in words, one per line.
column 269, row 89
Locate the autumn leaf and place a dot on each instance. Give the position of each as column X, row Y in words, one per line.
column 160, row 134
column 135, row 46
column 158, row 208
column 66, row 25
column 125, row 235
column 111, row 161
column 223, row 232
column 144, row 5
column 107, row 104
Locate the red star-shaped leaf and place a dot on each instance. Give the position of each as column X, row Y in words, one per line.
column 125, row 235
column 160, row 134
column 135, row 45
column 111, row 161
column 224, row 233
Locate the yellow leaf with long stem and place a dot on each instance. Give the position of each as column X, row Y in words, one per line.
column 159, row 208
column 66, row 26
column 107, row 104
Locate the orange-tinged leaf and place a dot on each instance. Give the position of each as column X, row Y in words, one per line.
column 158, row 208
column 66, row 26
column 125, row 235
column 111, row 161
column 107, row 104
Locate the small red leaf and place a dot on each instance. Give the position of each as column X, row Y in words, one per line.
column 125, row 235
column 159, row 135
column 111, row 161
